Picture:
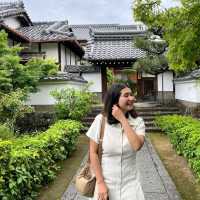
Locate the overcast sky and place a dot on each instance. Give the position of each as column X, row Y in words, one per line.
column 83, row 11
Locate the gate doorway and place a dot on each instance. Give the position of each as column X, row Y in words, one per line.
column 147, row 89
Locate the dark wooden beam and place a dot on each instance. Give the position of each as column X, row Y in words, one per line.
column 59, row 55
column 39, row 47
column 104, row 82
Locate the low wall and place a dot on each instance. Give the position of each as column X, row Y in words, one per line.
column 189, row 108
column 165, row 97
column 36, row 121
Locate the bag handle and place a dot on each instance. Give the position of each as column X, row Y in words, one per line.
column 101, row 138
column 100, row 141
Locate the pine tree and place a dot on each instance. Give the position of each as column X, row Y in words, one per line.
column 179, row 27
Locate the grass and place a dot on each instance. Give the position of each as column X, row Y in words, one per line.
column 55, row 190
column 177, row 167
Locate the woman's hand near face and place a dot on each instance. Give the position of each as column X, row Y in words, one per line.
column 102, row 191
column 117, row 113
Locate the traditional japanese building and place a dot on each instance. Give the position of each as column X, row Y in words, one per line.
column 103, row 46
column 112, row 46
column 52, row 40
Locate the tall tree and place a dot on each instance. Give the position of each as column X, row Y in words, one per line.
column 155, row 60
column 179, row 27
column 17, row 81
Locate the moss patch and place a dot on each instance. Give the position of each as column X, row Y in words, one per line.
column 177, row 167
column 55, row 190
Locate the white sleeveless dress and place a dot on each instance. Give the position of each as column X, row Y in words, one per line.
column 118, row 159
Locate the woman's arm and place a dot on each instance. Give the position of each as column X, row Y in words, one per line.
column 95, row 164
column 135, row 140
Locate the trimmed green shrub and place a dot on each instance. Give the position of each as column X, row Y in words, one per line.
column 31, row 160
column 184, row 134
column 73, row 104
column 5, row 132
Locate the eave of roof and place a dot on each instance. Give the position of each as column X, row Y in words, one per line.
column 82, row 31
column 51, row 32
column 113, row 50
column 82, row 68
column 14, row 32
column 191, row 76
column 17, row 9
column 65, row 76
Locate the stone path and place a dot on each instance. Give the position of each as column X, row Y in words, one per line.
column 156, row 182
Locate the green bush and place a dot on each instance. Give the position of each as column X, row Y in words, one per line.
column 30, row 161
column 72, row 104
column 12, row 107
column 5, row 132
column 184, row 134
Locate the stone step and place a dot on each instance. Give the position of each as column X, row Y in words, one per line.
column 148, row 129
column 148, row 118
column 153, row 129
column 149, row 123
column 147, row 113
column 95, row 112
column 157, row 109
column 160, row 108
column 143, row 114
column 158, row 113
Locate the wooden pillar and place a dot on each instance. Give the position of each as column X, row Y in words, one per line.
column 59, row 55
column 103, row 81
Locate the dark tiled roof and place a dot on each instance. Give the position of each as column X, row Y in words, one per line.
column 82, row 31
column 114, row 44
column 52, row 32
column 191, row 76
column 82, row 68
column 65, row 76
column 14, row 33
column 56, row 31
column 8, row 9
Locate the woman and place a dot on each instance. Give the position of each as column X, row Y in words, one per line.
column 117, row 177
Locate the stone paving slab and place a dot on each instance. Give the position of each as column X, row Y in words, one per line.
column 156, row 182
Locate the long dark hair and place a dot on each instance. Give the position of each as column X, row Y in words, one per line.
column 111, row 98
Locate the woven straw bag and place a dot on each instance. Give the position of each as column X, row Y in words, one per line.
column 85, row 181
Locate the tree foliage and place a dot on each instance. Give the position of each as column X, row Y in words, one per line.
column 12, row 107
column 18, row 80
column 73, row 103
column 179, row 27
column 155, row 60
column 14, row 75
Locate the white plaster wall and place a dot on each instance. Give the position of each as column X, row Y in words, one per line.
column 188, row 91
column 10, row 42
column 73, row 60
column 78, row 59
column 147, row 75
column 42, row 97
column 12, row 22
column 32, row 47
column 167, row 81
column 68, row 56
column 51, row 50
column 63, row 57
column 95, row 78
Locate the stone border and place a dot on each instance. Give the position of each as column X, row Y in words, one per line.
column 164, row 176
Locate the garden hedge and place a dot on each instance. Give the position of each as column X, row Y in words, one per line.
column 29, row 162
column 184, row 134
